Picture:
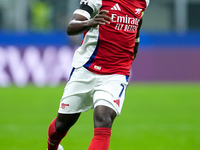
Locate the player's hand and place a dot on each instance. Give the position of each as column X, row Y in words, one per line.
column 100, row 19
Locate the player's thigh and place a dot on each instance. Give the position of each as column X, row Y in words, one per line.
column 111, row 93
column 76, row 97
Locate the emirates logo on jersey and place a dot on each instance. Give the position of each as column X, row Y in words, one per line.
column 125, row 19
column 125, row 23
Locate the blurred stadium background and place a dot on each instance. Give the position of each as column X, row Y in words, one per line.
column 33, row 39
column 36, row 54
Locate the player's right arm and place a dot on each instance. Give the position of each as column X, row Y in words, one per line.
column 80, row 23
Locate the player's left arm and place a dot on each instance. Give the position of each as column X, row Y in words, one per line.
column 137, row 39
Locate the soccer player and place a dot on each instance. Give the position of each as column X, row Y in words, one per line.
column 101, row 67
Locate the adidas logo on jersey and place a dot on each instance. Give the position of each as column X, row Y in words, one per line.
column 116, row 7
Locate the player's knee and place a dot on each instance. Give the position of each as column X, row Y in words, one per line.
column 104, row 117
column 102, row 121
column 65, row 122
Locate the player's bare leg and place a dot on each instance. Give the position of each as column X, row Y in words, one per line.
column 103, row 120
column 65, row 121
column 59, row 127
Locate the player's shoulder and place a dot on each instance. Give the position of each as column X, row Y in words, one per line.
column 94, row 4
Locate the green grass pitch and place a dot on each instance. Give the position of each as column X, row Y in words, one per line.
column 155, row 116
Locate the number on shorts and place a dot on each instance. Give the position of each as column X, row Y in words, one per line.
column 120, row 94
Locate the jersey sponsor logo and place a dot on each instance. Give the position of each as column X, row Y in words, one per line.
column 63, row 105
column 116, row 7
column 125, row 23
column 138, row 11
column 125, row 19
column 117, row 102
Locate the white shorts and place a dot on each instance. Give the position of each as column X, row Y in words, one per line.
column 86, row 90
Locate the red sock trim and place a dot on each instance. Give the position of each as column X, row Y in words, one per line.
column 54, row 137
column 101, row 139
